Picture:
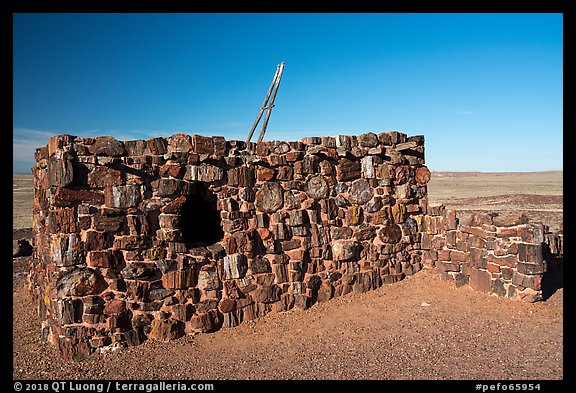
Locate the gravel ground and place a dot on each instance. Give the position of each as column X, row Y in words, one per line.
column 420, row 328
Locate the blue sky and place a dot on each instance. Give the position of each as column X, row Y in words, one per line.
column 484, row 89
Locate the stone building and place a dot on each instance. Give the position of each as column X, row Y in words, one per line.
column 154, row 239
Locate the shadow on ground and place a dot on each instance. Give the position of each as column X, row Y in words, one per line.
column 552, row 281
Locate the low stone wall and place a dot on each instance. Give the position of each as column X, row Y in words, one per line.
column 153, row 239
column 505, row 256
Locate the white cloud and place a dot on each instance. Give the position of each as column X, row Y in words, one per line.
column 465, row 113
column 25, row 141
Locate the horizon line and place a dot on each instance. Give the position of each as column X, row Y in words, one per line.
column 432, row 171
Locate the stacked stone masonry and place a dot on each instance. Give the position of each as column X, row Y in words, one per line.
column 505, row 256
column 154, row 239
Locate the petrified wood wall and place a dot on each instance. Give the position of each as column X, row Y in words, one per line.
column 153, row 239
column 504, row 255
column 157, row 238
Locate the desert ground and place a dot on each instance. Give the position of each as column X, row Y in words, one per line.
column 421, row 328
column 23, row 196
column 539, row 195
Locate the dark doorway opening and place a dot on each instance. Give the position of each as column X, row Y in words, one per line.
column 200, row 220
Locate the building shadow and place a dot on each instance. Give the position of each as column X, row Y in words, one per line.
column 552, row 280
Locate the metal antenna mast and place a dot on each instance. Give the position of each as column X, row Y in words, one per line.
column 271, row 95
